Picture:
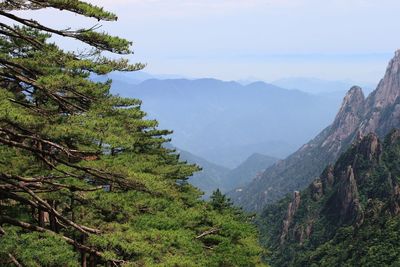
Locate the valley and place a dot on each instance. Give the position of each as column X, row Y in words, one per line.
column 273, row 139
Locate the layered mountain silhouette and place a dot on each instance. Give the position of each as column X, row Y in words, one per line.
column 318, row 86
column 379, row 113
column 251, row 167
column 226, row 122
column 213, row 176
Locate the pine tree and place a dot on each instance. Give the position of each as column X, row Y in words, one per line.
column 84, row 178
column 219, row 201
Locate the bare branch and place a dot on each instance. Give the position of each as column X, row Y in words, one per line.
column 44, row 205
column 14, row 260
column 209, row 232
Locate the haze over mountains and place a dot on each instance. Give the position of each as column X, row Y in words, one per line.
column 378, row 113
column 319, row 86
column 213, row 176
column 232, row 130
column 226, row 122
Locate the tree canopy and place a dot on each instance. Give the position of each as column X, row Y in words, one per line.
column 84, row 176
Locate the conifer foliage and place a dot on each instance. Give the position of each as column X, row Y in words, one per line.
column 84, row 178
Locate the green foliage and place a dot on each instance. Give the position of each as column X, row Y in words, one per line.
column 366, row 246
column 370, row 240
column 37, row 249
column 83, row 175
column 219, row 201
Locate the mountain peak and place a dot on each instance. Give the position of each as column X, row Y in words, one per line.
column 353, row 96
column 353, row 101
column 397, row 53
column 357, row 117
column 383, row 105
column 394, row 65
column 355, row 90
column 349, row 116
column 389, row 87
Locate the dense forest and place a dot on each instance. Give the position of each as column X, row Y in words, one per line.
column 84, row 178
column 349, row 216
column 88, row 178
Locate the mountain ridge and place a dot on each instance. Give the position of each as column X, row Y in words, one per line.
column 358, row 116
column 319, row 86
column 212, row 176
column 335, row 220
column 221, row 121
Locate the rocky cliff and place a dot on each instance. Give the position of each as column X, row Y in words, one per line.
column 378, row 113
column 349, row 216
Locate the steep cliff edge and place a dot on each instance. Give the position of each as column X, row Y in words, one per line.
column 383, row 105
column 349, row 216
column 357, row 117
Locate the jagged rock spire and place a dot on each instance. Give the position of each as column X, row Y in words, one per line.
column 349, row 115
column 382, row 110
column 389, row 88
column 357, row 117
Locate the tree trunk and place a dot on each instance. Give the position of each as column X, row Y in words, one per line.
column 33, row 213
column 83, row 254
column 83, row 259
column 41, row 218
column 53, row 220
column 92, row 261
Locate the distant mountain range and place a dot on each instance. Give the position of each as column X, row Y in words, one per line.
column 379, row 113
column 213, row 176
column 251, row 167
column 319, row 86
column 210, row 178
column 226, row 122
column 137, row 77
column 304, row 84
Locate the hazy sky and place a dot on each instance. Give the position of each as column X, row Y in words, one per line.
column 266, row 39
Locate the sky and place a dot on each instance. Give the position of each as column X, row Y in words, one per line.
column 255, row 39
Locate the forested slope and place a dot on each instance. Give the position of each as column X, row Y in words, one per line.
column 84, row 178
column 349, row 216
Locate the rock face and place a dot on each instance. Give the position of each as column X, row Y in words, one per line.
column 317, row 189
column 357, row 117
column 348, row 201
column 327, row 178
column 383, row 112
column 292, row 208
column 348, row 118
column 351, row 199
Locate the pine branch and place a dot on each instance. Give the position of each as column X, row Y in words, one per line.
column 64, row 104
column 14, row 260
column 31, row 227
column 209, row 232
column 44, row 205
column 12, row 32
column 88, row 36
